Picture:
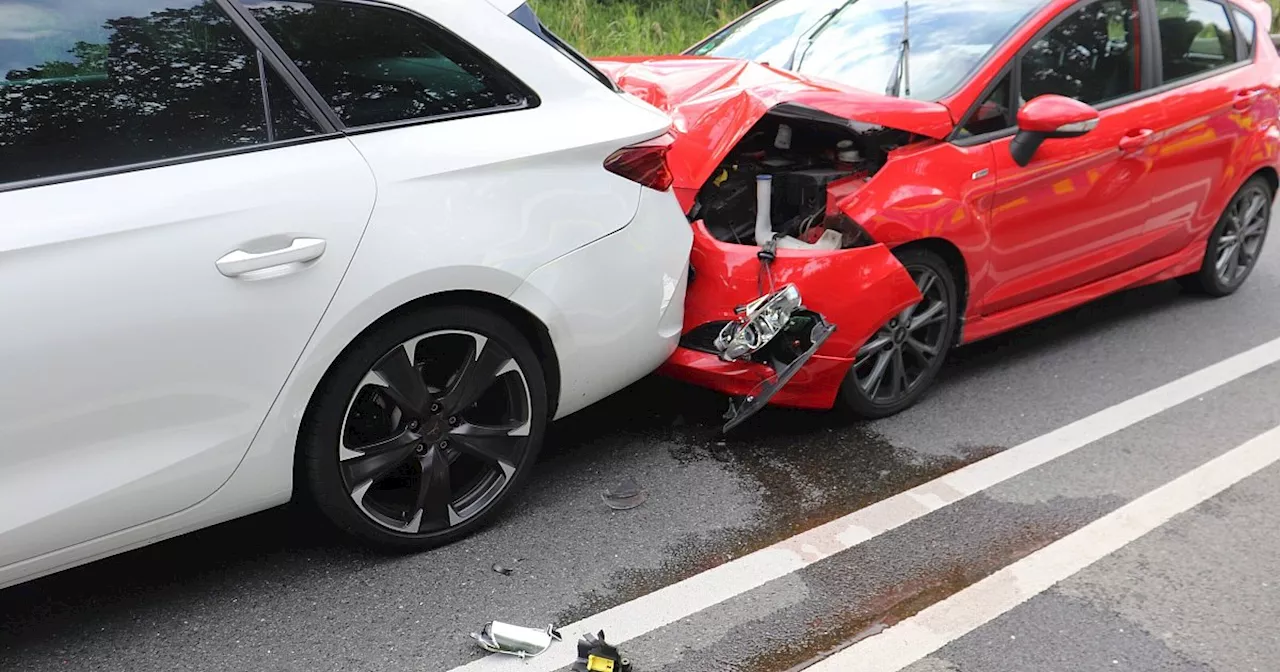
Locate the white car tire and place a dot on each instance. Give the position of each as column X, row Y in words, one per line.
column 408, row 467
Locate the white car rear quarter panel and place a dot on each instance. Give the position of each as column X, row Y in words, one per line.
column 617, row 305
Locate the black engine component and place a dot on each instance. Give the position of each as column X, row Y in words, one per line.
column 729, row 208
column 800, row 197
column 597, row 655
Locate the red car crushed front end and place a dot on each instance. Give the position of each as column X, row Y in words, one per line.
column 777, row 315
column 856, row 290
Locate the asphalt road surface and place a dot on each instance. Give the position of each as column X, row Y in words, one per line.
column 1095, row 492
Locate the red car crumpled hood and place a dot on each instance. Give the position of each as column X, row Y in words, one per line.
column 713, row 102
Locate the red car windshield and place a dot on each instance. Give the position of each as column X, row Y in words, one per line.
column 859, row 42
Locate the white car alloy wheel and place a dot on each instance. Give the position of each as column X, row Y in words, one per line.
column 436, row 430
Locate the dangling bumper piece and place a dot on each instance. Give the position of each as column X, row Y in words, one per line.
column 737, row 342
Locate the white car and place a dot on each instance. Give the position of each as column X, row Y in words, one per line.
column 364, row 251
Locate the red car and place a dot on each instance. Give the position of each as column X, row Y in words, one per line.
column 873, row 182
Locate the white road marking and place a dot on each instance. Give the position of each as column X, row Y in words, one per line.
column 948, row 620
column 685, row 598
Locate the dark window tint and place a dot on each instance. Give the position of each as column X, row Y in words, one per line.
column 289, row 118
column 376, row 64
column 1091, row 55
column 1195, row 37
column 1248, row 29
column 87, row 86
column 993, row 114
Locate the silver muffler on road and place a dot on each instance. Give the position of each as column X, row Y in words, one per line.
column 515, row 640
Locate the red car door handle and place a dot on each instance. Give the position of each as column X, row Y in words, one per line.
column 1136, row 139
column 1244, row 99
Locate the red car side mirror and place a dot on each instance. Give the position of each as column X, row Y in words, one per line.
column 1050, row 116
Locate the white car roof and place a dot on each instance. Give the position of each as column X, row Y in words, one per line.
column 506, row 6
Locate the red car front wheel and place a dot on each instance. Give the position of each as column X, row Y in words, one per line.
column 895, row 367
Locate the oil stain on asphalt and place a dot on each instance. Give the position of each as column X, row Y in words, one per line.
column 862, row 591
column 807, row 468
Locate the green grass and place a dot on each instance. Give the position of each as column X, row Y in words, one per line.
column 635, row 27
column 629, row 27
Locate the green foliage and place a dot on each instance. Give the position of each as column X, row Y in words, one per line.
column 91, row 59
column 628, row 27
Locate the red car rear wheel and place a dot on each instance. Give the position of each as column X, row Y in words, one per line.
column 1236, row 241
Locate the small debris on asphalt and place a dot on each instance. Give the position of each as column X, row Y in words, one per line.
column 515, row 640
column 626, row 495
column 505, row 571
column 597, row 655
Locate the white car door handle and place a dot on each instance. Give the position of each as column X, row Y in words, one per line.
column 301, row 250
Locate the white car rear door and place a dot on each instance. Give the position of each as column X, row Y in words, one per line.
column 171, row 232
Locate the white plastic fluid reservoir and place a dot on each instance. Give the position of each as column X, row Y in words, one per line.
column 764, row 199
column 783, row 139
column 849, row 156
column 830, row 240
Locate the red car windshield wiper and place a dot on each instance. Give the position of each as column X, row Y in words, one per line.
column 900, row 80
column 807, row 37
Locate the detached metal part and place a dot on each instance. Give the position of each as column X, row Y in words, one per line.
column 785, row 361
column 758, row 324
column 597, row 655
column 777, row 330
column 515, row 640
column 626, row 495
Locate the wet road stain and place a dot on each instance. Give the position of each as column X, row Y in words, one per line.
column 902, row 602
column 858, row 595
column 834, row 634
column 808, row 468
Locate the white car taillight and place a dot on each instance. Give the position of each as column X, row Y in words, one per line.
column 644, row 162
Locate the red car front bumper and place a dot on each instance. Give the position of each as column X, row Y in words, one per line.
column 857, row 290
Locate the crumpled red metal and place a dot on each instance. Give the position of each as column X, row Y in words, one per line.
column 713, row 102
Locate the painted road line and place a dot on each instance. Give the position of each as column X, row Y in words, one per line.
column 952, row 618
column 696, row 593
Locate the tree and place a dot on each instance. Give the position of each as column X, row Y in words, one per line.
column 176, row 82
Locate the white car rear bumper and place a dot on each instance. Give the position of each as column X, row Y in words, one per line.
column 615, row 308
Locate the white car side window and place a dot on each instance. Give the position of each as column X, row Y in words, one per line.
column 102, row 86
column 379, row 65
